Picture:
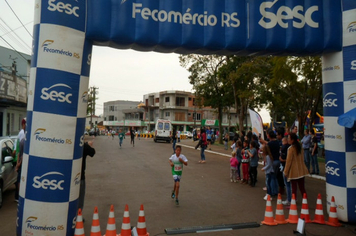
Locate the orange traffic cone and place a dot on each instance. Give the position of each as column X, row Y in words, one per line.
column 333, row 221
column 126, row 226
column 293, row 212
column 141, row 224
column 95, row 225
column 79, row 227
column 269, row 213
column 111, row 227
column 319, row 214
column 304, row 213
column 279, row 211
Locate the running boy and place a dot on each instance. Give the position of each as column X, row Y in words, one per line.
column 176, row 161
column 121, row 137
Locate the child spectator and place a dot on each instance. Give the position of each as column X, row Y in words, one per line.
column 245, row 163
column 252, row 153
column 268, row 168
column 237, row 148
column 233, row 167
column 226, row 140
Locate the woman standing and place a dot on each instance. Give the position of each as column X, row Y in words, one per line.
column 295, row 169
column 203, row 145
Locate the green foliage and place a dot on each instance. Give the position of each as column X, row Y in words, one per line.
column 288, row 86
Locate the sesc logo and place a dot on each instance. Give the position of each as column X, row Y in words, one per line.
column 352, row 98
column 351, row 28
column 331, row 168
column 329, row 100
column 62, row 7
column 353, row 65
column 296, row 15
column 50, row 93
column 52, row 184
column 31, row 225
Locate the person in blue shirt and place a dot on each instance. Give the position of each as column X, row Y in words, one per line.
column 252, row 152
column 306, row 141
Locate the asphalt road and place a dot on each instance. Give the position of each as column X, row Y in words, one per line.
column 142, row 175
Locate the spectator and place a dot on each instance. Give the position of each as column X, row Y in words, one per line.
column 274, row 147
column 283, row 158
column 88, row 150
column 295, row 169
column 306, row 140
column 17, row 153
column 314, row 153
column 174, row 140
column 203, row 146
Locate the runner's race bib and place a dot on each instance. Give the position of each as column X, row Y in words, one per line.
column 178, row 167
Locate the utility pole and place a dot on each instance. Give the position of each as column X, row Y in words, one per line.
column 92, row 98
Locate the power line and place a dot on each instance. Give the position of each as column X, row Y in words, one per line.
column 13, row 48
column 18, row 18
column 14, row 39
column 7, row 32
column 15, row 28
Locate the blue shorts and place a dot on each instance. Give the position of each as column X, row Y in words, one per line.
column 177, row 178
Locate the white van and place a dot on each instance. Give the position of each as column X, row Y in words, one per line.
column 163, row 131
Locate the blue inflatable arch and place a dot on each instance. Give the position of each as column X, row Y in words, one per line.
column 66, row 30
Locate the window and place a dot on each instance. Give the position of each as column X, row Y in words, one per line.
column 157, row 100
column 111, row 118
column 196, row 116
column 190, row 98
column 189, row 114
column 160, row 126
column 167, row 99
column 166, row 126
column 168, row 114
column 193, row 101
column 111, row 108
column 180, row 101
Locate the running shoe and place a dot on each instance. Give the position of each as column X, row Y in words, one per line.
column 177, row 202
column 173, row 195
column 286, row 203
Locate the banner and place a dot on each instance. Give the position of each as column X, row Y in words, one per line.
column 256, row 123
column 206, row 122
column 302, row 27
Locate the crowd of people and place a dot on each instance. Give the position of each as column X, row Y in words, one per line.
column 284, row 162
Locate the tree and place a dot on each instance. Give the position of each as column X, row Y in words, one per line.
column 206, row 81
column 296, row 87
column 247, row 77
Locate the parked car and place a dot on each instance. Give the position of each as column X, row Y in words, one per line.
column 188, row 134
column 8, row 174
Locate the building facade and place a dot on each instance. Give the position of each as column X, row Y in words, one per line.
column 179, row 107
column 14, row 78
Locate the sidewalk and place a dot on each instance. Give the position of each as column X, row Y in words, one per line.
column 219, row 149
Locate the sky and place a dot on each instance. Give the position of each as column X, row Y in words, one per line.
column 119, row 74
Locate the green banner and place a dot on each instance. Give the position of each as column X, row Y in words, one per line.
column 206, row 122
